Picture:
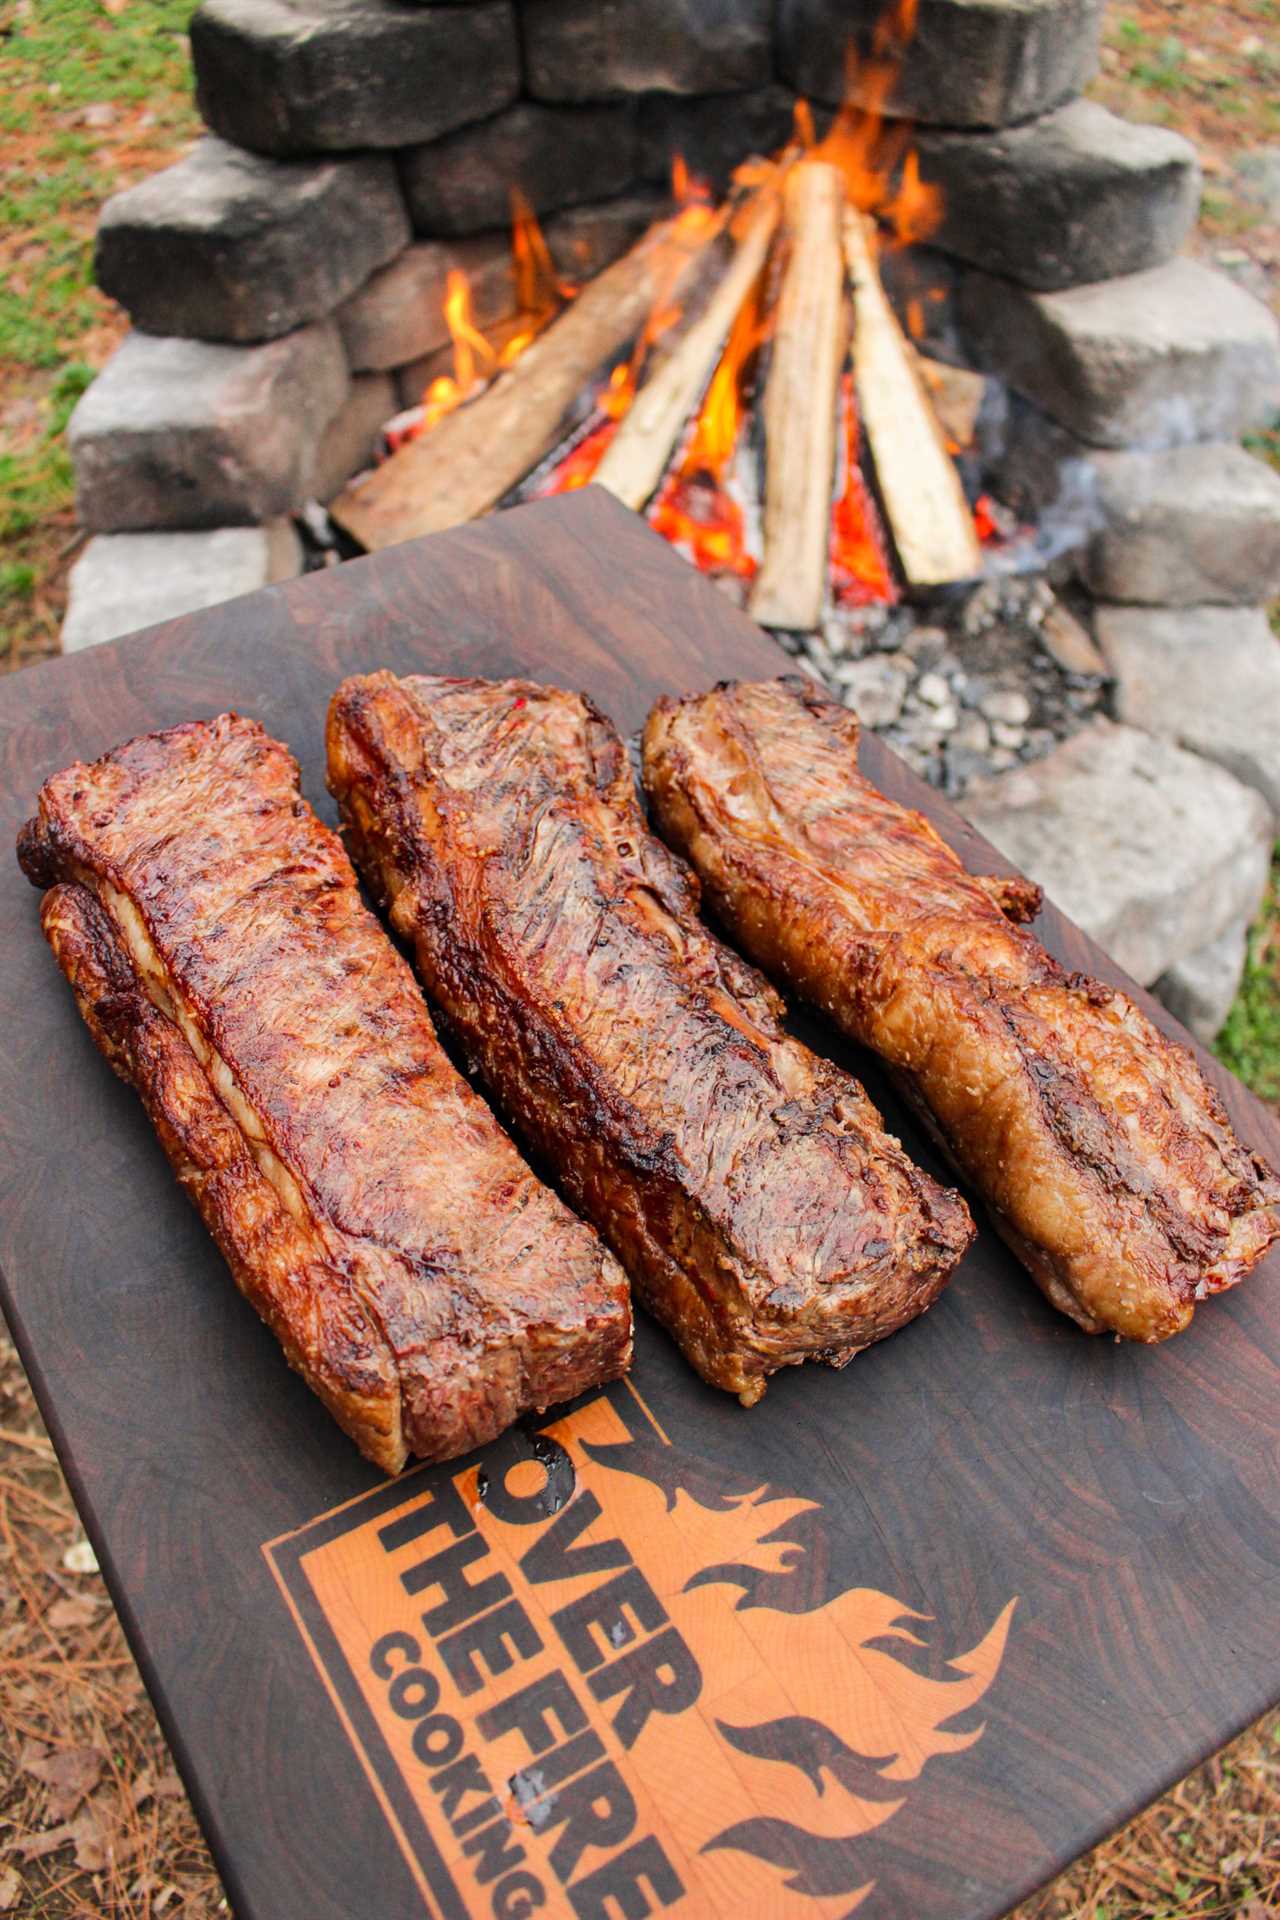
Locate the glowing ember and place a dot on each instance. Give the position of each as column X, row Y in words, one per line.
column 700, row 517
column 860, row 573
column 985, row 523
column 580, row 463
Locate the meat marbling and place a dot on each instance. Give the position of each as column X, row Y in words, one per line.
column 1106, row 1160
column 418, row 1275
column 747, row 1185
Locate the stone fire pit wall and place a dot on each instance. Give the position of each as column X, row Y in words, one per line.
column 285, row 281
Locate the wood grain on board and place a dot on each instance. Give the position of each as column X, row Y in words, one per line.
column 1126, row 1498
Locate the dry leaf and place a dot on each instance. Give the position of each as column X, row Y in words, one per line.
column 80, row 1610
column 169, row 1787
column 86, row 1833
column 113, row 6
column 10, row 1889
column 70, row 1774
column 80, row 1558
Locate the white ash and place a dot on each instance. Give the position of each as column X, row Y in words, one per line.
column 969, row 683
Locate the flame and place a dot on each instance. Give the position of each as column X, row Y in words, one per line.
column 614, row 398
column 692, row 508
column 915, row 210
column 473, row 357
column 869, row 148
column 540, row 294
column 535, row 277
column 860, row 573
column 688, row 189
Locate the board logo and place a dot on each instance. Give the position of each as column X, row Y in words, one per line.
column 588, row 1677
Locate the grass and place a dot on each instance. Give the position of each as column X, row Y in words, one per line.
column 1250, row 1041
column 1208, row 70
column 93, row 95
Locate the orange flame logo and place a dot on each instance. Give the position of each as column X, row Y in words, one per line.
column 595, row 1649
column 821, row 1709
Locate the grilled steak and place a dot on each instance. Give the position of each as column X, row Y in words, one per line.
column 420, row 1278
column 747, row 1186
column 1106, row 1160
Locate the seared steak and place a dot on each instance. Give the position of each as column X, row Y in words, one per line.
column 1106, row 1160
column 420, row 1278
column 747, row 1186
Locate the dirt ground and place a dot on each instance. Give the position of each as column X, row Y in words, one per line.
column 93, row 1819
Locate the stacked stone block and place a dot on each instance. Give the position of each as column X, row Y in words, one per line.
column 1134, row 384
column 286, row 279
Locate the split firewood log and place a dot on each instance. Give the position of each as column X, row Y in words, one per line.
column 466, row 463
column 799, row 409
column 639, row 452
column 924, row 502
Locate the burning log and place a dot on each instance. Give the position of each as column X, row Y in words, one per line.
column 923, row 499
column 466, row 463
column 799, row 403
column 638, row 454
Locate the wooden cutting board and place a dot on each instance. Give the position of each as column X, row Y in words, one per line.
column 902, row 1640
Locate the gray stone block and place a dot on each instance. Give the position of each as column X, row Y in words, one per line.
column 713, row 133
column 585, row 240
column 602, row 49
column 228, row 246
column 971, row 63
column 1153, row 359
column 319, row 76
column 399, row 314
column 351, row 438
column 182, row 433
column 1200, row 990
column 123, row 581
column 1153, row 851
column 1072, row 197
column 1207, row 677
column 557, row 156
column 1066, row 640
column 1184, row 528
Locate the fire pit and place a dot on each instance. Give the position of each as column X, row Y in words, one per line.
column 868, row 313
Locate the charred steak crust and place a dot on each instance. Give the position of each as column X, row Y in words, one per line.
column 421, row 1279
column 1106, row 1160
column 747, row 1186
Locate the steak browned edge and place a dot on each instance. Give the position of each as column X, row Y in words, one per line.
column 425, row 1284
column 747, row 1185
column 1105, row 1159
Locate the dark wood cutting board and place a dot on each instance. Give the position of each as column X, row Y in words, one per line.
column 931, row 1625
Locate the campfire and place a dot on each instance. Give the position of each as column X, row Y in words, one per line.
column 740, row 377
